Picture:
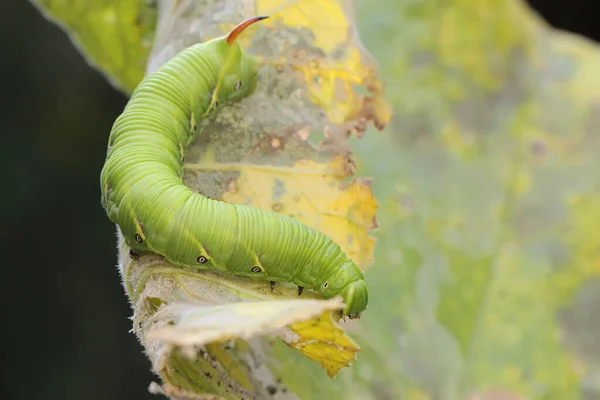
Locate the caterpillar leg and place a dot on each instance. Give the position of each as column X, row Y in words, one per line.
column 300, row 290
column 272, row 285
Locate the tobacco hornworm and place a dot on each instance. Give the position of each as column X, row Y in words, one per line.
column 143, row 192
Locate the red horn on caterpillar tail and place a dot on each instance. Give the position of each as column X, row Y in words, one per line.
column 241, row 27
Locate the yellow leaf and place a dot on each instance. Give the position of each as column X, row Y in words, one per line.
column 326, row 19
column 333, row 73
column 323, row 341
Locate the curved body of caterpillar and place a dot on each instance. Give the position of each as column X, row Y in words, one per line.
column 142, row 189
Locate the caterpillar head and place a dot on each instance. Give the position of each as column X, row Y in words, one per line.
column 355, row 297
column 347, row 281
column 238, row 75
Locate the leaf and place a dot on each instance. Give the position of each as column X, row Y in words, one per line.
column 322, row 340
column 289, row 140
column 486, row 256
column 183, row 327
column 199, row 335
column 328, row 57
column 197, row 325
column 114, row 36
column 487, row 268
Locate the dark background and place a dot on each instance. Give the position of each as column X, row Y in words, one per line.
column 65, row 315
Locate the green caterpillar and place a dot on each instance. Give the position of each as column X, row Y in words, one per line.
column 143, row 192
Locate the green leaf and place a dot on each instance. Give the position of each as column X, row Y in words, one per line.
column 114, row 36
column 489, row 188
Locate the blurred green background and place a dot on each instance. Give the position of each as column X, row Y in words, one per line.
column 66, row 316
